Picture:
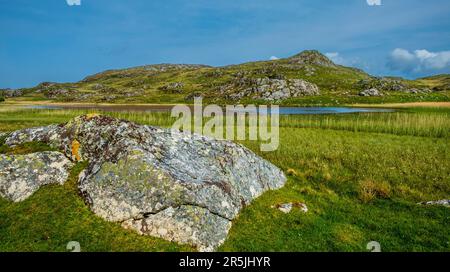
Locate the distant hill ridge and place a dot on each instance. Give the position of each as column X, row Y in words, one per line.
column 307, row 78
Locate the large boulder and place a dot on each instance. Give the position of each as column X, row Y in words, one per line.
column 22, row 175
column 179, row 186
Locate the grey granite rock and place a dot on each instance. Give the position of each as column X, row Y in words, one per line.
column 370, row 92
column 166, row 183
column 269, row 89
column 22, row 175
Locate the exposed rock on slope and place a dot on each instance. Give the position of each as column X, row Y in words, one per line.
column 370, row 92
column 22, row 175
column 311, row 57
column 389, row 85
column 269, row 89
column 11, row 93
column 181, row 187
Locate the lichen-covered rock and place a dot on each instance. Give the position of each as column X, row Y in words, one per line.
column 22, row 175
column 166, row 183
column 185, row 224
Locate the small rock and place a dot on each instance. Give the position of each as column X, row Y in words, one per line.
column 287, row 207
column 444, row 202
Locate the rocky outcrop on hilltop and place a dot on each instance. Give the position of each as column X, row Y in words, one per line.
column 311, row 57
column 178, row 186
column 269, row 89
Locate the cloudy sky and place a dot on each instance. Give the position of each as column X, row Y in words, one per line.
column 65, row 40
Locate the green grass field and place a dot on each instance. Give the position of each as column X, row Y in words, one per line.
column 360, row 175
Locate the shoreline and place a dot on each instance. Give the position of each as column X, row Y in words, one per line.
column 165, row 106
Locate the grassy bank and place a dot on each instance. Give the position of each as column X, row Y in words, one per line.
column 360, row 175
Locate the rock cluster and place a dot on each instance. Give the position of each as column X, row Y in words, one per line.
column 370, row 92
column 8, row 93
column 181, row 187
column 269, row 89
column 287, row 207
column 174, row 87
column 389, row 85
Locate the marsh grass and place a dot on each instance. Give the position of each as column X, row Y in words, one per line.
column 436, row 124
column 430, row 122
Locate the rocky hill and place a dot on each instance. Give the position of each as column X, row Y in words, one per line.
column 306, row 78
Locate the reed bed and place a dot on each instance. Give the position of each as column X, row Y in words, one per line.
column 421, row 123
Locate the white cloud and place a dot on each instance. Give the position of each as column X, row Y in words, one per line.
column 418, row 60
column 73, row 2
column 374, row 2
column 274, row 58
column 347, row 61
column 335, row 57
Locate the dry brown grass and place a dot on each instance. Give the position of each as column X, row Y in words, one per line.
column 370, row 190
column 406, row 105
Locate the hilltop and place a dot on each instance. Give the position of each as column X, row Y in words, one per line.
column 305, row 78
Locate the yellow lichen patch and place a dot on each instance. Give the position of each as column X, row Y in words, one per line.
column 76, row 150
column 89, row 116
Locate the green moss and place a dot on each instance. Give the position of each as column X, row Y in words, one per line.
column 26, row 148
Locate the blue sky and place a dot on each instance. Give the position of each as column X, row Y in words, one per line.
column 49, row 40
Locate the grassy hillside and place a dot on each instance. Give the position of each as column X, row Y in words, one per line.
column 167, row 83
column 438, row 82
column 360, row 175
